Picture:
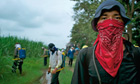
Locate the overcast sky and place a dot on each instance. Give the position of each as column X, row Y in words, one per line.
column 48, row 21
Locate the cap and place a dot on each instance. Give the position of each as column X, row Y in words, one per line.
column 85, row 46
column 109, row 4
column 51, row 45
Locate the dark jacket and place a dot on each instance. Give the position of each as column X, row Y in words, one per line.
column 128, row 72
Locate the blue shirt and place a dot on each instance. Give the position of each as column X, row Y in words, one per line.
column 71, row 53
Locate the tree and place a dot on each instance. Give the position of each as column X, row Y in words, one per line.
column 136, row 28
column 132, row 7
column 84, row 12
column 82, row 31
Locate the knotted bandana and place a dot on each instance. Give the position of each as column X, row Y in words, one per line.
column 109, row 50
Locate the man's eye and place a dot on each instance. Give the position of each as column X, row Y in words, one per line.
column 117, row 17
column 103, row 18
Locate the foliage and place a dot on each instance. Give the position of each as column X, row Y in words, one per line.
column 136, row 26
column 31, row 71
column 133, row 11
column 82, row 32
column 31, row 66
column 65, row 76
column 8, row 45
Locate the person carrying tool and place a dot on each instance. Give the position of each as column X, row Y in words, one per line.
column 19, row 56
column 55, row 63
column 45, row 55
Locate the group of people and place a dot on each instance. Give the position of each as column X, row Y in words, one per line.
column 56, row 63
column 111, row 60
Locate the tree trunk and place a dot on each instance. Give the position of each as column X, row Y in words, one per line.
column 130, row 11
column 129, row 29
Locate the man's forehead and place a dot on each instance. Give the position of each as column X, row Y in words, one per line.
column 116, row 13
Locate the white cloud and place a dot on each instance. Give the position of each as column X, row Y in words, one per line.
column 38, row 20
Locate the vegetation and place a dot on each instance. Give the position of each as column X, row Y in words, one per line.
column 133, row 11
column 82, row 32
column 65, row 76
column 33, row 68
column 32, row 71
column 8, row 44
column 32, row 65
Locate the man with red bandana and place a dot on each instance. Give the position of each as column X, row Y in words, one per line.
column 112, row 59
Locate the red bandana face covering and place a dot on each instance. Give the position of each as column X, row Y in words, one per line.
column 109, row 50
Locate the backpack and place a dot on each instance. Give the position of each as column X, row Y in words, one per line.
column 22, row 53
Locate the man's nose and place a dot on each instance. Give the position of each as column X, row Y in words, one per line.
column 110, row 17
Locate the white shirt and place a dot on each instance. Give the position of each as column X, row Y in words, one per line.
column 55, row 60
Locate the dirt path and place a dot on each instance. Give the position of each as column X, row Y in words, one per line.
column 43, row 80
column 70, row 68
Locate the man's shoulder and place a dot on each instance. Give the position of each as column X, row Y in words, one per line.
column 85, row 52
column 86, row 49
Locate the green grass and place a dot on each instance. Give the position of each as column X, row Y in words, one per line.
column 65, row 75
column 32, row 66
column 32, row 71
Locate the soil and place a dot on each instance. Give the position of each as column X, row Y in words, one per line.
column 43, row 80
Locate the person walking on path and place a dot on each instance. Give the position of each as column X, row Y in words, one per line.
column 71, row 55
column 45, row 55
column 112, row 59
column 17, row 61
column 55, row 63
